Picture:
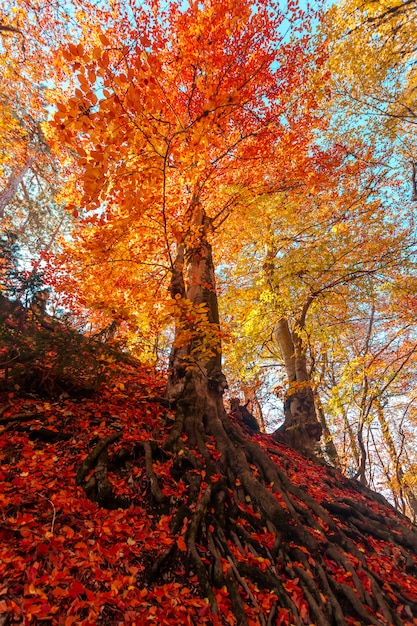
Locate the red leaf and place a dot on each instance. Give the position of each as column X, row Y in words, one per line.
column 76, row 589
column 203, row 611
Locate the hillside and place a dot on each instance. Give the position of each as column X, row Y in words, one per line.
column 201, row 202
column 349, row 557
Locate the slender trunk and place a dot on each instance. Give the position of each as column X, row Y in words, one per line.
column 404, row 489
column 365, row 404
column 365, row 407
column 362, row 454
column 399, row 503
column 15, row 178
column 329, row 446
column 352, row 439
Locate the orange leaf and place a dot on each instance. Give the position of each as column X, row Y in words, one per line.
column 181, row 544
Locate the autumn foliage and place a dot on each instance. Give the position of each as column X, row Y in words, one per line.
column 216, row 200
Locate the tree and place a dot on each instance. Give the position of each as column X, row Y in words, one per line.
column 374, row 93
column 321, row 262
column 371, row 91
column 368, row 377
column 182, row 118
column 29, row 179
column 196, row 155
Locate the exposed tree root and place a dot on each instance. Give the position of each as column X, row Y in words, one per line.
column 311, row 561
column 98, row 487
column 92, row 458
column 153, row 479
column 242, row 522
column 14, row 420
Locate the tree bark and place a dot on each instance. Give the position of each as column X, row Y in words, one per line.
column 329, row 446
column 301, row 428
column 196, row 352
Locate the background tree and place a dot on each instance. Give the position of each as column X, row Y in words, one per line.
column 374, row 93
column 30, row 177
column 321, row 258
column 367, row 379
column 371, row 91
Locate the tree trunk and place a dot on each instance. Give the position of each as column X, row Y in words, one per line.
column 362, row 453
column 329, row 446
column 404, row 488
column 196, row 353
column 301, row 428
column 15, row 178
column 352, row 443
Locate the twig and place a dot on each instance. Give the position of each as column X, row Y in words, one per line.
column 53, row 508
column 10, row 422
column 19, row 417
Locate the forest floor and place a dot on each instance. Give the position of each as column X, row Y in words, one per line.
column 66, row 560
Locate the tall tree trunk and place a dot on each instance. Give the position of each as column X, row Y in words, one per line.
column 329, row 446
column 352, row 439
column 366, row 402
column 362, row 453
column 196, row 353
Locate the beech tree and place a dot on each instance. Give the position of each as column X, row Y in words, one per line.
column 315, row 275
column 184, row 118
column 183, row 138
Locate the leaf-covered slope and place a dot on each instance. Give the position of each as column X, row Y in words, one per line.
column 66, row 560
